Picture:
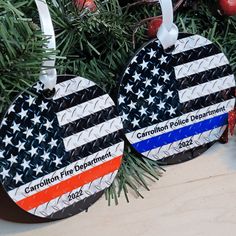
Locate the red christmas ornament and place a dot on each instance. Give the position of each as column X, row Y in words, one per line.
column 86, row 4
column 232, row 121
column 228, row 7
column 153, row 27
column 231, row 127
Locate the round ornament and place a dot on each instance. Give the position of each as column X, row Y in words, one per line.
column 228, row 7
column 58, row 155
column 175, row 102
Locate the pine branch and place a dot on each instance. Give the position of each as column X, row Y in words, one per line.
column 96, row 45
column 21, row 51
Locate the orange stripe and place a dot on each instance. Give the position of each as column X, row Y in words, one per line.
column 70, row 184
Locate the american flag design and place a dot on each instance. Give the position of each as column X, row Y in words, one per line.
column 58, row 155
column 175, row 102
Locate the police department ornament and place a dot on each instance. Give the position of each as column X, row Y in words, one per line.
column 173, row 102
column 58, row 155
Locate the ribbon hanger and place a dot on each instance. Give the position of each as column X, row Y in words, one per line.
column 48, row 74
column 168, row 31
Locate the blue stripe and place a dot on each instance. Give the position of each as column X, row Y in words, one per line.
column 182, row 133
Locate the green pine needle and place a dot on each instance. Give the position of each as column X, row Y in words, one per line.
column 96, row 45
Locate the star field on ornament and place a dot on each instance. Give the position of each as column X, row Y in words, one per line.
column 57, row 161
column 23, row 114
column 20, row 146
column 12, row 160
column 25, row 164
column 40, row 138
column 38, row 169
column 48, row 124
column 33, row 151
column 15, row 127
column 135, row 122
column 163, row 59
column 36, row 119
column 28, row 132
column 53, row 143
column 18, row 178
column 144, row 65
column 151, row 94
column 132, row 105
column 4, row 173
column 30, row 100
column 152, row 53
column 46, row 156
column 7, row 140
column 136, row 76
column 155, row 71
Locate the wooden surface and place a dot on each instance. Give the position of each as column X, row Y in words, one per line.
column 194, row 198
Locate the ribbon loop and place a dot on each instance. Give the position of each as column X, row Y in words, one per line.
column 168, row 31
column 48, row 74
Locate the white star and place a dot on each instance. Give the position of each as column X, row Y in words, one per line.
column 143, row 111
column 40, row 138
column 57, row 161
column 28, row 132
column 154, row 116
column 4, row 122
column 45, row 156
column 127, row 71
column 121, row 99
column 135, row 122
column 38, row 169
column 150, row 99
column 23, row 113
column 144, row 65
column 161, row 105
column 158, row 88
column 158, row 43
column 124, row 117
column 169, row 94
column 38, row 87
column 25, row 164
column 48, row 124
column 166, row 77
column 7, row 140
column 11, row 109
column 20, row 146
column 140, row 93
column 4, row 173
column 136, row 76
column 15, row 127
column 18, row 178
column 132, row 105
column 163, row 59
column 36, row 119
column 134, row 60
column 155, row 71
column 172, row 111
column 128, row 88
column 30, row 100
column 148, row 82
column 12, row 160
column 53, row 143
column 152, row 53
column 33, row 151
column 44, row 106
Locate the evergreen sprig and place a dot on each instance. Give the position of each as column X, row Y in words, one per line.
column 21, row 51
column 96, row 45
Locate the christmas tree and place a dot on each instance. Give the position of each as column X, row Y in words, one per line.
column 96, row 40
